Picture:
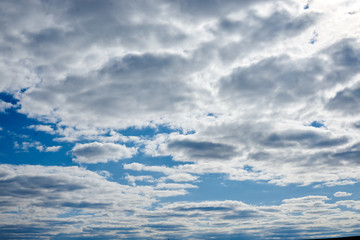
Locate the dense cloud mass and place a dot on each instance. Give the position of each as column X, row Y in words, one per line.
column 131, row 119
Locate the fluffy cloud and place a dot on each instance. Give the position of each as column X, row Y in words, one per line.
column 96, row 152
column 236, row 85
column 245, row 77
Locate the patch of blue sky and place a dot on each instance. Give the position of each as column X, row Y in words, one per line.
column 7, row 97
column 317, row 124
column 15, row 132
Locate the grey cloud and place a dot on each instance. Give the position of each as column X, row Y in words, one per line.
column 203, row 209
column 258, row 31
column 281, row 80
column 135, row 89
column 274, row 80
column 346, row 54
column 96, row 152
column 243, row 215
column 306, row 139
column 198, row 9
column 106, row 229
column 202, row 149
column 165, row 227
column 106, row 23
column 264, row 29
column 85, row 205
column 357, row 124
column 346, row 101
column 23, row 231
column 33, row 186
column 351, row 155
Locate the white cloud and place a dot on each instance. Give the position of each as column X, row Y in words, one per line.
column 97, row 152
column 174, row 186
column 52, row 149
column 143, row 178
column 174, row 174
column 342, row 194
column 43, row 128
column 4, row 106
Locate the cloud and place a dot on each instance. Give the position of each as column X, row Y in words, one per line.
column 342, row 194
column 174, row 174
column 235, row 84
column 101, row 152
column 202, row 150
column 346, row 101
column 52, row 149
column 26, row 146
column 64, row 197
column 174, row 186
column 4, row 106
column 43, row 128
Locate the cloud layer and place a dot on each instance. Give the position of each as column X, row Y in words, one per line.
column 154, row 98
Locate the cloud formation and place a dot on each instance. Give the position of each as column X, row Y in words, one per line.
column 158, row 100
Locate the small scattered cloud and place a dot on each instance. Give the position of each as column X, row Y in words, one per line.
column 342, row 194
column 43, row 128
column 27, row 145
column 5, row 105
column 52, row 149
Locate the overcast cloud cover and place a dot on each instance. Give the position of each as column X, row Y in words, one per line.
column 188, row 119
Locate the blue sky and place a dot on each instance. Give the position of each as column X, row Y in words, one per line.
column 182, row 119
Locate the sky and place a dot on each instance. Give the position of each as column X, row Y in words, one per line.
column 179, row 119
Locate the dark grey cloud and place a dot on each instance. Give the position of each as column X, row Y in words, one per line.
column 85, row 204
column 357, row 124
column 227, row 236
column 107, row 229
column 242, row 215
column 306, row 139
column 351, row 156
column 23, row 231
column 203, row 149
column 165, row 227
column 198, row 9
column 203, row 209
column 346, row 101
column 33, row 186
